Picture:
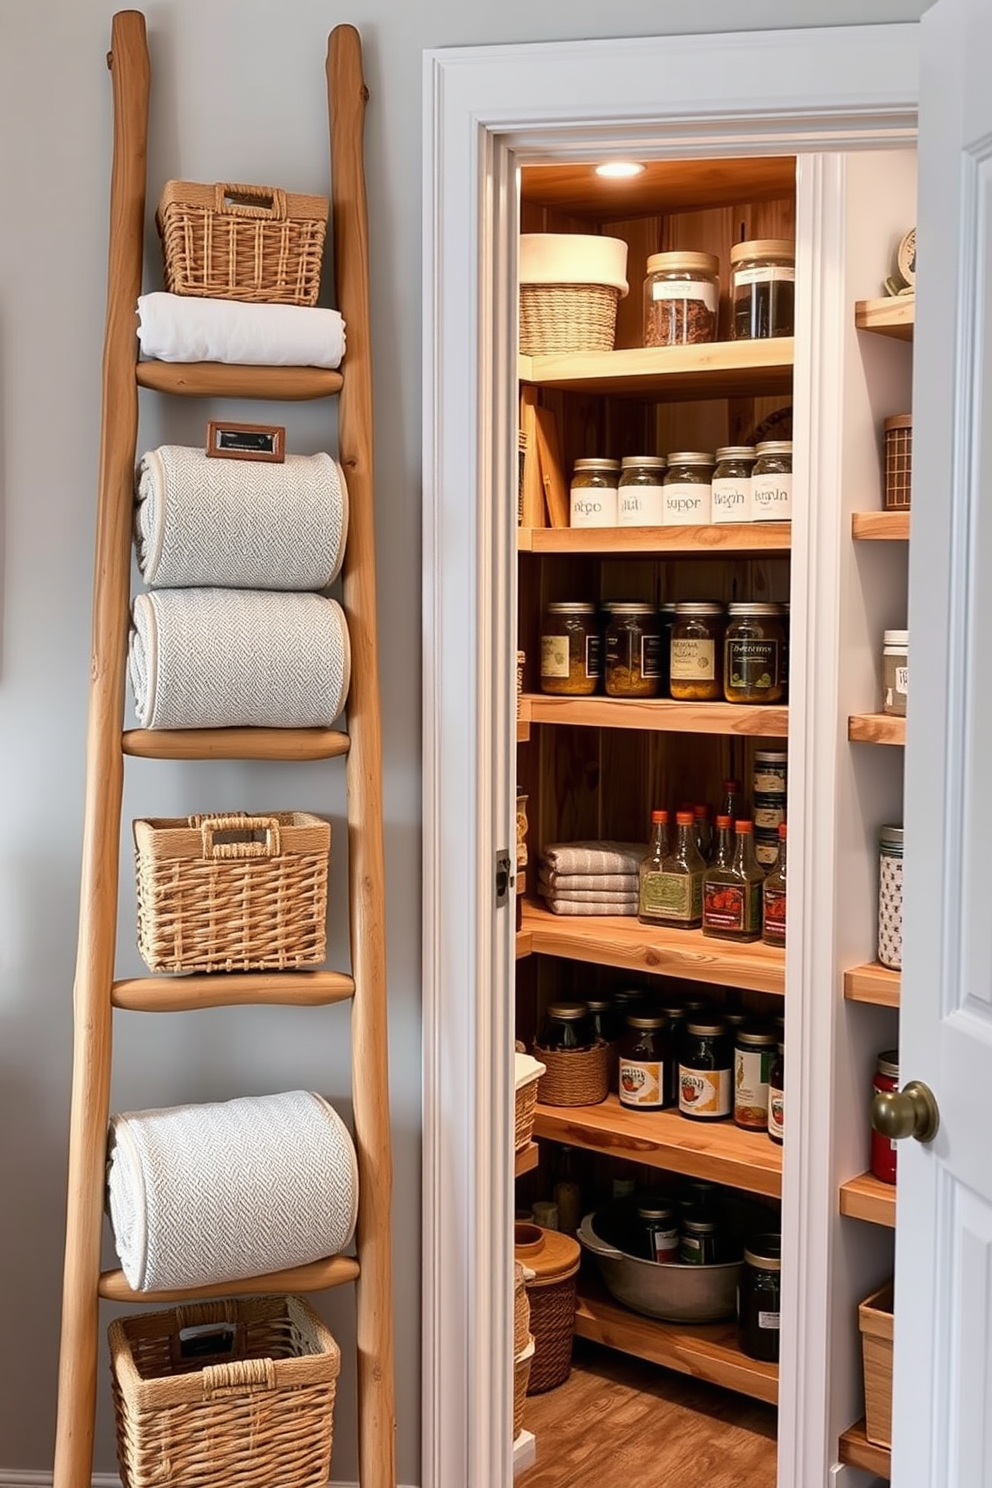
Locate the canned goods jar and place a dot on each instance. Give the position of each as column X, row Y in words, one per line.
column 895, row 671
column 771, row 482
column 688, row 489
column 731, row 486
column 776, row 1097
column 571, row 661
column 567, row 1028
column 593, row 493
column 754, row 1055
column 696, row 663
column 659, row 1227
column 771, row 769
column 769, row 812
column 883, row 1149
column 706, row 1067
column 766, row 845
column 752, row 653
column 681, row 298
column 641, row 492
column 633, row 650
column 759, row 1293
column 701, row 1240
column 644, row 1058
column 890, row 849
column 762, row 288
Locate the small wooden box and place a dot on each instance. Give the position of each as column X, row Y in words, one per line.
column 875, row 1321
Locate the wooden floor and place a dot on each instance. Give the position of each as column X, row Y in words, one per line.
column 619, row 1423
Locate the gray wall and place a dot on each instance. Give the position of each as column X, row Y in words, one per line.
column 238, row 94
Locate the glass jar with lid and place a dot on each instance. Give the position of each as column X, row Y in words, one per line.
column 567, row 1027
column 706, row 1070
column 755, row 1050
column 759, row 1293
column 895, row 671
column 688, row 489
column 702, row 1238
column 771, row 482
column 571, row 660
column 633, row 648
column 762, row 288
column 731, row 486
column 641, row 493
column 644, row 1061
column 752, row 652
column 593, row 493
column 681, row 298
column 883, row 1149
column 697, row 651
column 658, row 1219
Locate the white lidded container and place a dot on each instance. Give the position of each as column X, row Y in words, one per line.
column 570, row 284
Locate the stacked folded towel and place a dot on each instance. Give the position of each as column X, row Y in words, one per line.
column 184, row 328
column 590, row 878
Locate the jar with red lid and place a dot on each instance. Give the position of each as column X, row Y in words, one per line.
column 883, row 1149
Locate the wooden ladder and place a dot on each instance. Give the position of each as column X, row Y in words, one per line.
column 96, row 992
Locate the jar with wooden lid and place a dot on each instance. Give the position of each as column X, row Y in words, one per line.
column 731, row 486
column 762, row 288
column 633, row 649
column 641, row 492
column 688, row 489
column 696, row 658
column 681, row 298
column 593, row 493
column 771, row 482
column 571, row 656
column 752, row 652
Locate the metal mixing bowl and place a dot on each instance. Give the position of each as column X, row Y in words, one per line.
column 673, row 1293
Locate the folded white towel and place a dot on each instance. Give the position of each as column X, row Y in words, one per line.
column 200, row 1194
column 593, row 857
column 186, row 328
column 228, row 658
column 242, row 524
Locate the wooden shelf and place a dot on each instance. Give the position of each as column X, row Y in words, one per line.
column 856, row 1450
column 880, row 526
column 662, row 715
column 876, row 728
column 225, row 380
column 236, row 743
column 715, row 369
column 332, row 1272
column 622, row 941
column 523, row 720
column 722, row 540
column 177, row 994
column 874, row 983
column 892, row 315
column 867, row 1197
column 524, row 943
column 708, row 1351
column 716, row 1150
column 526, row 1159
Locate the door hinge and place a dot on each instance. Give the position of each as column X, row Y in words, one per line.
column 504, row 878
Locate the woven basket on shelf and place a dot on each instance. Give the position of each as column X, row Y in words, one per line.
column 232, row 893
column 527, row 1073
column 557, row 319
column 227, row 1394
column 521, row 1375
column 521, row 1310
column 231, row 242
column 898, row 461
column 579, row 1077
column 553, row 1258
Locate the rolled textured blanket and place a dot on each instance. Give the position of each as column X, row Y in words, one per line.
column 186, row 328
column 209, row 1193
column 237, row 658
column 239, row 523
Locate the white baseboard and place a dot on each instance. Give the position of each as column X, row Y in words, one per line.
column 17, row 1478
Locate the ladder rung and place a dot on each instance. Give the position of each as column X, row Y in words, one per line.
column 181, row 994
column 236, row 743
column 224, row 380
column 317, row 1277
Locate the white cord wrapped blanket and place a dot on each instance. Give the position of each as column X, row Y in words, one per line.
column 209, row 1193
column 187, row 328
column 237, row 658
column 239, row 523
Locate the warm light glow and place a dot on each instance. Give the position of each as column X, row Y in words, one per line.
column 619, row 169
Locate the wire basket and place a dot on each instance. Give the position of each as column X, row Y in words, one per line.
column 232, row 893
column 575, row 1077
column 230, row 242
column 227, row 1394
column 898, row 461
column 557, row 319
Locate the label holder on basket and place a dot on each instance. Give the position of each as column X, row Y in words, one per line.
column 229, row 441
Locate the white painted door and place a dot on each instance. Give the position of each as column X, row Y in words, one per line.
column 943, row 1303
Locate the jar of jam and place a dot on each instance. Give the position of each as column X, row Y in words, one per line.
column 697, row 651
column 759, row 1292
column 776, row 1097
column 603, row 1016
column 641, row 493
column 658, row 1221
column 771, row 482
column 571, row 659
column 731, row 488
column 593, row 493
column 706, row 1070
column 681, row 298
column 688, row 489
column 752, row 651
column 754, row 1054
column 701, row 1238
column 883, row 1149
column 762, row 288
column 567, row 1027
column 633, row 649
column 644, row 1060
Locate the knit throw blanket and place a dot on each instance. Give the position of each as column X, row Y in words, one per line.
column 244, row 524
column 200, row 1194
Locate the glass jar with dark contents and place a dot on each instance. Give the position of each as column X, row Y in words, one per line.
column 759, row 1292
column 762, row 288
column 658, row 1223
column 702, row 1240
column 681, row 298
column 633, row 649
column 644, row 1063
column 752, row 653
column 706, row 1070
column 567, row 1027
column 571, row 660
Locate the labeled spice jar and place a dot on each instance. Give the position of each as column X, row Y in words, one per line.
column 759, row 1293
column 641, row 492
column 593, row 493
column 658, row 1222
column 890, row 847
column 895, row 671
column 688, row 491
column 731, row 485
column 770, row 774
column 706, row 1068
column 771, row 482
column 752, row 652
column 769, row 812
column 633, row 650
column 776, row 1097
column 644, row 1060
column 567, row 1027
column 702, row 1240
column 681, row 298
column 883, row 1149
column 571, row 659
column 696, row 664
column 762, row 288
column 754, row 1054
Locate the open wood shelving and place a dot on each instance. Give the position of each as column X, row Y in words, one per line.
column 876, row 728
column 892, row 315
column 856, row 1450
column 661, row 715
column 867, row 1197
column 873, row 983
column 719, row 539
column 714, row 369
column 880, row 526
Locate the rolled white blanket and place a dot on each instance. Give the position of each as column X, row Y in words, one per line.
column 237, row 658
column 187, row 328
column 199, row 1194
column 239, row 523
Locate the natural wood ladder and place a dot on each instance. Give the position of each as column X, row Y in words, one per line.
column 95, row 992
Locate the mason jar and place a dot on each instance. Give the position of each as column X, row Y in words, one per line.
column 593, row 493
column 771, row 482
column 571, row 661
column 697, row 652
column 681, row 298
column 641, row 493
column 688, row 489
column 752, row 653
column 633, row 649
column 731, row 488
column 762, row 288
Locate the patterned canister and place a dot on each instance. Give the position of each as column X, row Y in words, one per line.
column 890, row 897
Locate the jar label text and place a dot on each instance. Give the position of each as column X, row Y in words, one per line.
column 776, row 1113
column 693, row 660
column 751, row 1071
column 687, row 503
column 594, row 656
column 593, row 506
column 765, row 274
column 751, row 667
column 641, row 1082
column 704, row 1092
column 640, row 506
column 731, row 500
column 554, row 656
column 768, row 1320
column 771, row 498
column 685, row 289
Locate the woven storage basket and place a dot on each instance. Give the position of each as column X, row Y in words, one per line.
column 232, row 893
column 898, row 461
column 557, row 319
column 245, row 1400
column 875, row 1321
column 522, row 1363
column 521, row 1310
column 553, row 1258
column 579, row 1077
column 527, row 1073
column 242, row 242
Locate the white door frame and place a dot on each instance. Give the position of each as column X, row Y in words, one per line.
column 487, row 110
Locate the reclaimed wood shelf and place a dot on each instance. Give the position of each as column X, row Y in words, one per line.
column 526, row 1159
column 662, row 715
column 235, row 744
column 179, row 994
column 716, row 1150
column 880, row 526
column 856, row 1450
column 714, row 369
column 721, row 539
column 622, row 941
column 873, row 983
column 335, row 1271
column 227, row 380
column 892, row 315
column 707, row 1351
column 876, row 728
column 867, row 1197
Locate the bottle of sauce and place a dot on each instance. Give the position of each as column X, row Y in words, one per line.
column 680, row 882
column 732, row 896
column 651, row 872
column 773, row 897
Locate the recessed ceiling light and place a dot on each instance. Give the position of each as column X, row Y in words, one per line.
column 619, row 169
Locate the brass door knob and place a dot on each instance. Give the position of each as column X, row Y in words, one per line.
column 909, row 1112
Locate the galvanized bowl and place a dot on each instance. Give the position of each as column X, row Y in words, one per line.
column 673, row 1293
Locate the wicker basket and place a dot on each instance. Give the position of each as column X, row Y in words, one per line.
column 528, row 1072
column 898, row 461
column 232, row 893
column 552, row 1263
column 226, row 1394
column 521, row 1375
column 875, row 1321
column 242, row 242
column 579, row 1077
column 557, row 319
column 521, row 1310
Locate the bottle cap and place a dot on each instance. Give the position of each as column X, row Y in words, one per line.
column 743, row 826
column 685, row 818
column 725, row 822
column 659, row 816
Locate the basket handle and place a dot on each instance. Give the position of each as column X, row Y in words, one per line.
column 238, row 1375
column 247, row 826
column 250, row 201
